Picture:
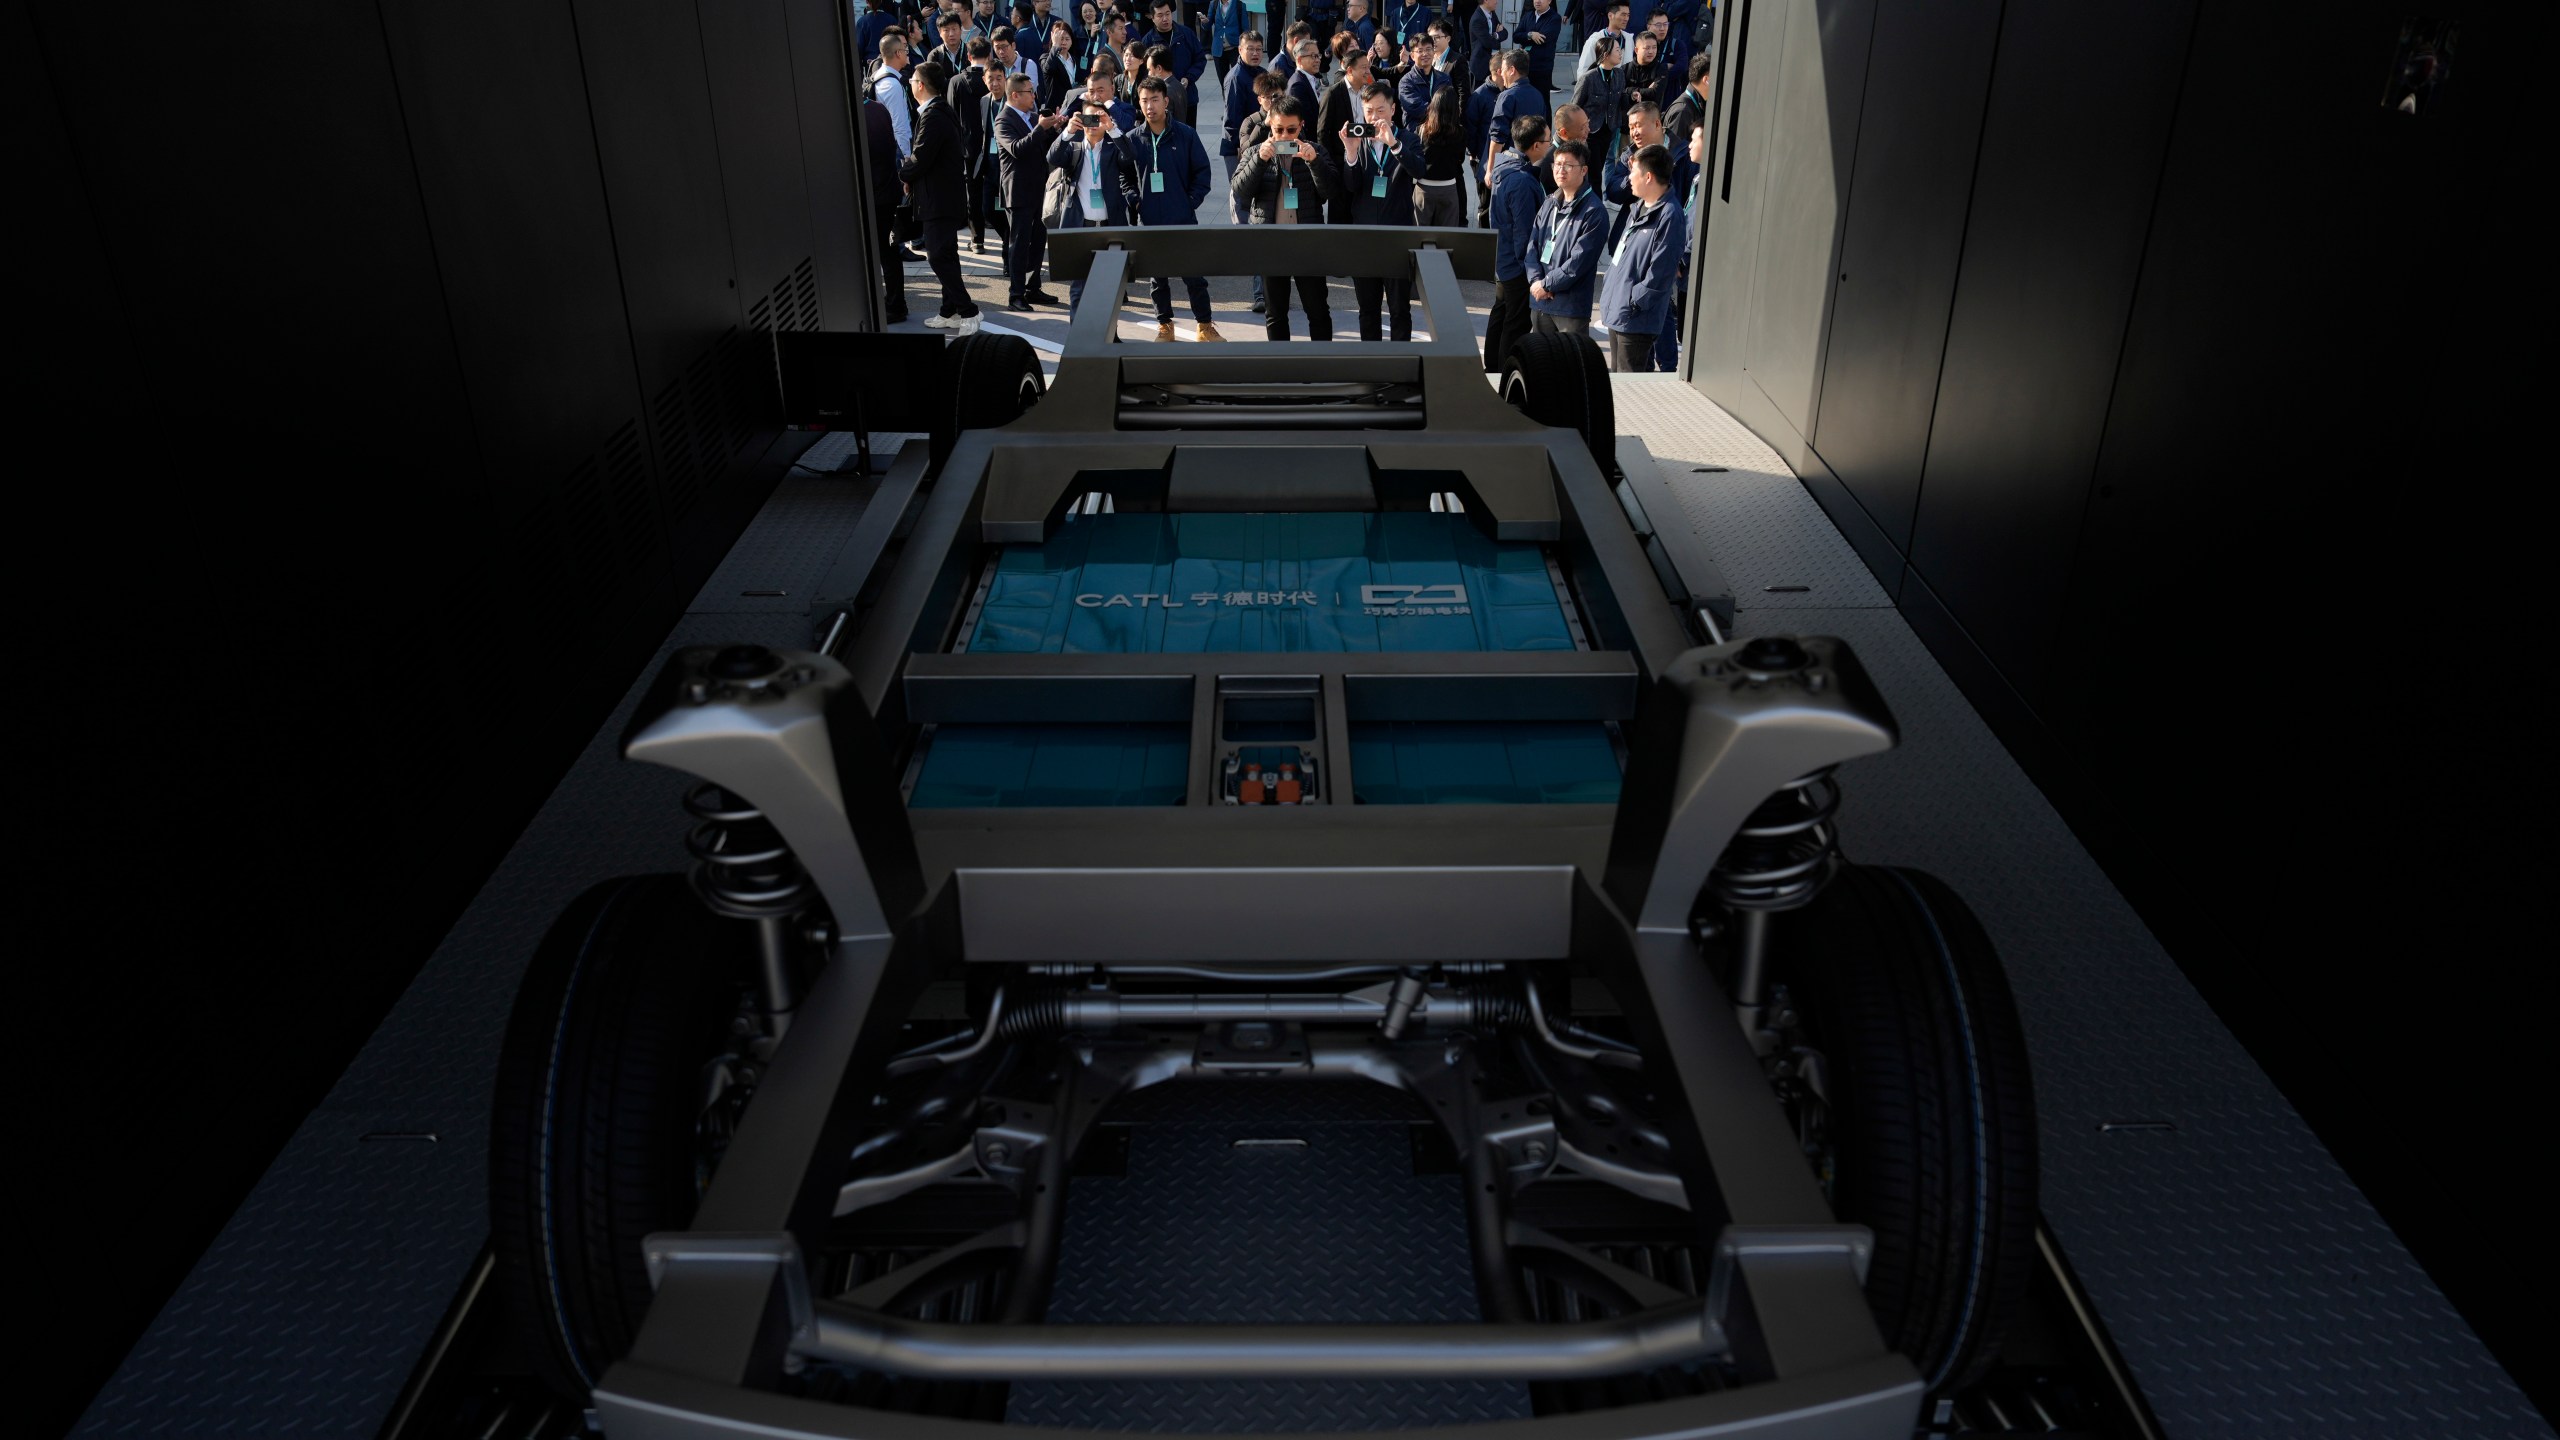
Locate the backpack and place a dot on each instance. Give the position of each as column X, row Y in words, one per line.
column 1057, row 198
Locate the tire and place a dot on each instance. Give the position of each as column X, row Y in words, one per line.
column 987, row 381
column 1932, row 1114
column 592, row 1140
column 1563, row 380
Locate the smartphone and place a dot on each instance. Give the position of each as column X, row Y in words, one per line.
column 1360, row 130
column 1284, row 147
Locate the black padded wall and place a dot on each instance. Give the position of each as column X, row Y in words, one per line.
column 2171, row 385
column 409, row 367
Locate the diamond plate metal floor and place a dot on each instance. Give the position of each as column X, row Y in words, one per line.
column 1289, row 1202
column 2252, row 1290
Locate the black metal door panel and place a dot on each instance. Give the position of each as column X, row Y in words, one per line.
column 2077, row 122
column 1928, row 74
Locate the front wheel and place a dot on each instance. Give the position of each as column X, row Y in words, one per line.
column 986, row 381
column 595, row 1140
column 1929, row 1127
column 1563, row 380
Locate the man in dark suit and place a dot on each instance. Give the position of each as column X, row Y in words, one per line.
column 938, row 189
column 967, row 97
column 1306, row 84
column 1375, row 176
column 1023, row 136
column 1487, row 37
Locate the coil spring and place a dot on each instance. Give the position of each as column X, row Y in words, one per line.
column 741, row 867
column 1785, row 852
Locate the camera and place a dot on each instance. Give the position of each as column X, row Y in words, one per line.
column 1091, row 118
column 1362, row 130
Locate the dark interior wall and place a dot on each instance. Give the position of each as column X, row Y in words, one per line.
column 408, row 366
column 2162, row 380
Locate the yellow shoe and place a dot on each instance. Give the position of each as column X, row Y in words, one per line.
column 1164, row 332
column 1207, row 332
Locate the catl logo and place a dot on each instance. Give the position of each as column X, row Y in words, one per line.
column 1413, row 600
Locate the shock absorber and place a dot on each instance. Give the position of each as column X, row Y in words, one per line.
column 743, row 869
column 1780, row 859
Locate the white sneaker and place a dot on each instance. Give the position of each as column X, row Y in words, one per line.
column 943, row 322
column 964, row 325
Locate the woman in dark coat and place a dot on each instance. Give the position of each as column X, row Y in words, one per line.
column 1602, row 94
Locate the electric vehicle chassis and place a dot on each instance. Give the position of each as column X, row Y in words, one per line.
column 1240, row 722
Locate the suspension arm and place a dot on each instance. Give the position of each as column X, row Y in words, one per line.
column 1589, row 1350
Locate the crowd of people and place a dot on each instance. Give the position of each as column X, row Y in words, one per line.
column 1050, row 114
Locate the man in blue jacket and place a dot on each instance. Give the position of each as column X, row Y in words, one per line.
column 1564, row 248
column 1183, row 49
column 1517, row 199
column 1407, row 18
column 868, row 29
column 1645, row 250
column 1422, row 79
column 1167, row 178
column 1517, row 100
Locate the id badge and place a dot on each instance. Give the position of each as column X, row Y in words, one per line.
column 1155, row 182
column 1377, row 187
column 1547, row 256
column 1289, row 196
column 994, row 146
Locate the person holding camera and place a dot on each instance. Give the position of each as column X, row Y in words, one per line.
column 1088, row 153
column 1281, row 183
column 1379, row 170
column 1168, row 178
column 1564, row 247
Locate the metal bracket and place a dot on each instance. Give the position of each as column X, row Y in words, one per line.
column 1723, row 730
column 669, row 1249
column 1740, row 1243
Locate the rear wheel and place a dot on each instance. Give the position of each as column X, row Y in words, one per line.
column 987, row 381
column 1928, row 1116
column 593, row 1142
column 1563, row 380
